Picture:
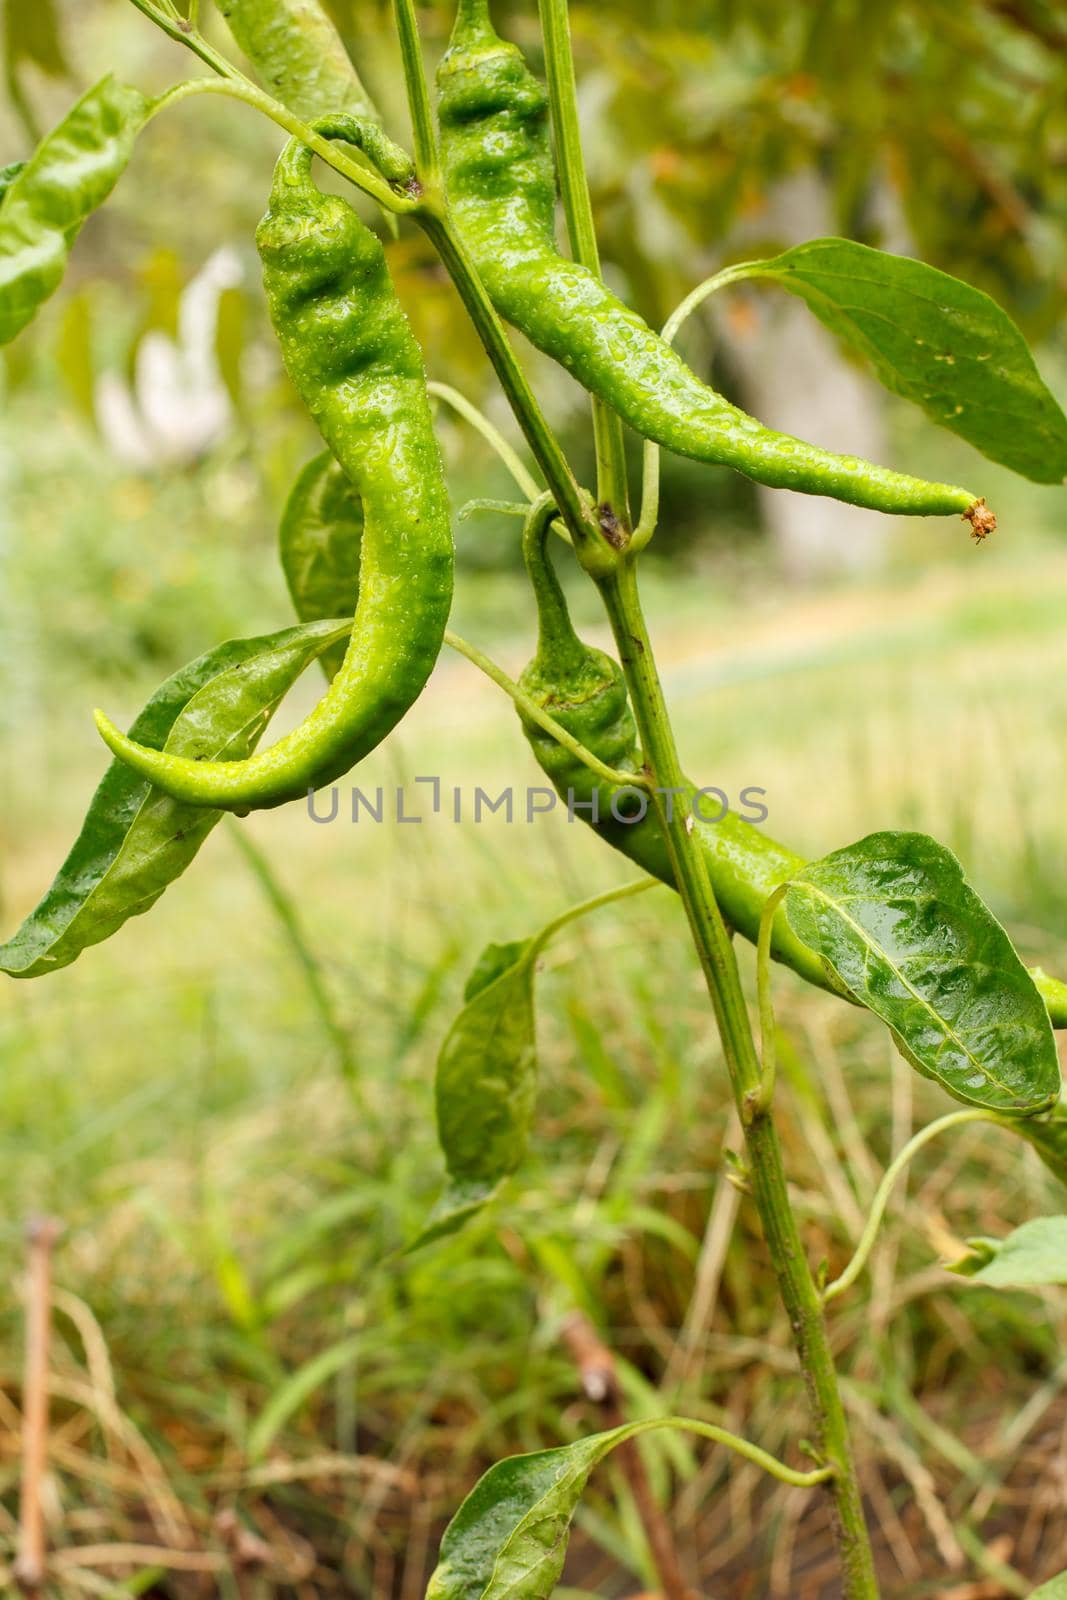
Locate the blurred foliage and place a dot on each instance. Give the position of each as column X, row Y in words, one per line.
column 937, row 125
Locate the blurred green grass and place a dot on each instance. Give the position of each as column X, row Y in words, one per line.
column 234, row 1206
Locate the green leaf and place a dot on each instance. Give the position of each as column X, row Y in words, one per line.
column 72, row 172
column 487, row 1069
column 898, row 927
column 509, row 1537
column 508, row 1540
column 319, row 538
column 938, row 342
column 1032, row 1257
column 1054, row 1589
column 135, row 840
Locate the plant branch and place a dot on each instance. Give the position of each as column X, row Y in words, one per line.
column 612, row 492
column 426, row 158
column 531, row 710
column 954, row 1119
column 715, row 951
column 583, row 907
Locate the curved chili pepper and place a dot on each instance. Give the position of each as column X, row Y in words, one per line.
column 583, row 689
column 350, row 352
column 501, row 188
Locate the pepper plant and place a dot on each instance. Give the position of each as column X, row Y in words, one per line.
column 889, row 924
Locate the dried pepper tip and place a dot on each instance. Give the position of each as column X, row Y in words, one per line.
column 983, row 521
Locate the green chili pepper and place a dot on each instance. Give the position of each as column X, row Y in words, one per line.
column 351, row 353
column 583, row 689
column 501, row 188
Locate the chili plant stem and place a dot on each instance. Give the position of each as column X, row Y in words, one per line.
column 574, row 187
column 715, row 951
column 954, row 1119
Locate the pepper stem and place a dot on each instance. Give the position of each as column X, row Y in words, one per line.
column 559, row 649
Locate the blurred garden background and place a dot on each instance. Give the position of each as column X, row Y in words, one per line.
column 229, row 1106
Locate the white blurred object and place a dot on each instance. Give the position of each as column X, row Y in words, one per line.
column 177, row 406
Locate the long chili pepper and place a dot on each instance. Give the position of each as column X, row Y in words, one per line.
column 350, row 352
column 500, row 181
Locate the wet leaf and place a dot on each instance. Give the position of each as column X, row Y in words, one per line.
column 899, row 928
column 135, row 840
column 938, row 342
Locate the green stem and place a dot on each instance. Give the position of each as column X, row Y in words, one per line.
column 732, row 1441
column 240, row 88
column 584, row 907
column 612, row 492
column 954, row 1119
column 584, row 533
column 535, row 713
column 427, row 163
column 715, row 951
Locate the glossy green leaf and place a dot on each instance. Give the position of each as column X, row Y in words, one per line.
column 900, row 930
column 938, row 342
column 508, row 1540
column 1032, row 1257
column 135, row 840
column 1054, row 1589
column 509, row 1537
column 486, row 1071
column 1048, row 1136
column 319, row 541
column 73, row 171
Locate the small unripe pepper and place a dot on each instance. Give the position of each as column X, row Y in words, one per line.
column 583, row 689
